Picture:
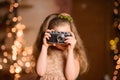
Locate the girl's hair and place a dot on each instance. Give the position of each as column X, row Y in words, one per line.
column 55, row 20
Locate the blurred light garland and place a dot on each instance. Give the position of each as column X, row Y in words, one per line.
column 17, row 56
column 114, row 42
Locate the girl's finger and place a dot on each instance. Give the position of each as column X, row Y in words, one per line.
column 46, row 37
column 68, row 41
column 52, row 30
column 47, row 34
column 66, row 38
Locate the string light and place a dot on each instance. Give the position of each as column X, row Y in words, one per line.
column 114, row 47
column 114, row 42
column 19, row 56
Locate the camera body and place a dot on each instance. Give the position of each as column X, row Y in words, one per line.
column 58, row 37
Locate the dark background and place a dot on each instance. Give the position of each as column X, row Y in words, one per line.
column 95, row 26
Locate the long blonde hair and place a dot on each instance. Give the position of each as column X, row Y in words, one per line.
column 53, row 20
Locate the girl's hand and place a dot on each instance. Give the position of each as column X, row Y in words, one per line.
column 47, row 36
column 71, row 41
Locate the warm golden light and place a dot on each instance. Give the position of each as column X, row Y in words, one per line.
column 19, row 33
column 23, row 26
column 117, row 66
column 19, row 18
column 115, row 11
column 20, row 63
column 17, row 44
column 16, row 5
column 114, row 77
column 18, row 69
column 118, row 61
column 27, row 64
column 14, row 57
column 14, row 30
column 11, row 8
column 18, row 26
column 119, row 26
column 12, row 69
column 5, row 54
column 24, row 53
column 113, row 47
column 112, row 42
column 18, row 55
column 5, row 60
column 9, row 34
column 3, row 47
column 15, row 64
column 1, row 67
column 17, row 76
column 115, row 72
column 14, row 19
column 116, row 3
column 24, row 59
column 116, row 57
column 29, row 50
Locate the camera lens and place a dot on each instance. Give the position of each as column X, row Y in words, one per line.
column 61, row 38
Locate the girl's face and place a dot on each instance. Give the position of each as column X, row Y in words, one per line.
column 62, row 28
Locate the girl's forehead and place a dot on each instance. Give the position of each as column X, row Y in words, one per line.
column 63, row 28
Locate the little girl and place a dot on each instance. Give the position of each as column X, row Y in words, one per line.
column 59, row 61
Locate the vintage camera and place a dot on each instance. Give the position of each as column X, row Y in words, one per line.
column 58, row 37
